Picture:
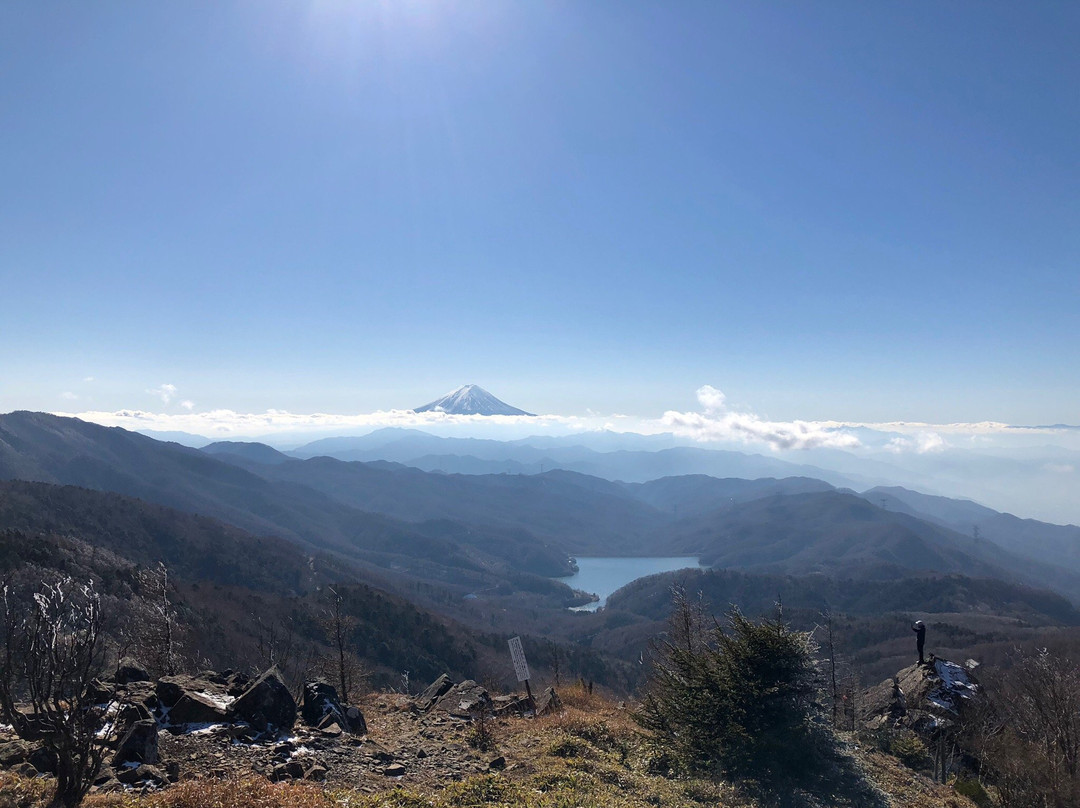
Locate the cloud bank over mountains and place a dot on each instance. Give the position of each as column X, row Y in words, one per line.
column 714, row 423
column 717, row 423
column 1030, row 471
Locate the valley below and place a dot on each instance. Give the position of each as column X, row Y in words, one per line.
column 263, row 558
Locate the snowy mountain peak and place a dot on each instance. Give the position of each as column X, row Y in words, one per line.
column 471, row 400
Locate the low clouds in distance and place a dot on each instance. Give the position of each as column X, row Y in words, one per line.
column 714, row 422
column 718, row 423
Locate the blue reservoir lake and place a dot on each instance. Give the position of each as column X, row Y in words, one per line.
column 602, row 576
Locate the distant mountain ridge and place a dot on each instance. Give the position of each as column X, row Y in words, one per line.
column 843, row 535
column 53, row 449
column 492, row 527
column 471, row 399
column 1058, row 545
column 412, row 447
column 473, row 548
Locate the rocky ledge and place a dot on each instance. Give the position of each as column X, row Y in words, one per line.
column 922, row 698
column 219, row 724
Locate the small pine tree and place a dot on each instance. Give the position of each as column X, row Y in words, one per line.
column 739, row 701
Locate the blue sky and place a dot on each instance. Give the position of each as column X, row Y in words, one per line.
column 851, row 211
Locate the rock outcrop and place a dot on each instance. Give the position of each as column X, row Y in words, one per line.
column 921, row 698
column 30, row 757
column 321, row 708
column 135, row 709
column 435, row 691
column 224, row 724
column 139, row 744
column 465, row 700
column 267, row 704
column 129, row 670
column 468, row 700
column 547, row 702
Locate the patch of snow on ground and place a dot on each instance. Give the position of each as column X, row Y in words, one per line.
column 111, row 709
column 955, row 686
column 203, row 729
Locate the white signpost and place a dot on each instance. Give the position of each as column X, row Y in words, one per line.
column 521, row 667
column 517, row 653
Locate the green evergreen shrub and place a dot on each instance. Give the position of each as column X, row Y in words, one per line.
column 974, row 791
column 910, row 750
column 737, row 701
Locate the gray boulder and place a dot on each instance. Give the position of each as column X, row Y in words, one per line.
column 355, row 721
column 465, row 700
column 267, row 704
column 126, row 715
column 129, row 670
column 170, row 689
column 197, row 708
column 142, row 694
column 13, row 752
column 139, row 744
column 43, row 759
column 98, row 692
column 321, row 708
column 548, row 701
column 435, row 691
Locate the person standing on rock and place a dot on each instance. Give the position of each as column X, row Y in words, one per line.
column 920, row 638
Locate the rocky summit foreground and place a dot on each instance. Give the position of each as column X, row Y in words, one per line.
column 453, row 746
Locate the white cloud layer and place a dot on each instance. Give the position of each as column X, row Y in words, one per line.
column 717, row 423
column 224, row 423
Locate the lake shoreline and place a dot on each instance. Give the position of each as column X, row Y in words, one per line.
column 601, row 576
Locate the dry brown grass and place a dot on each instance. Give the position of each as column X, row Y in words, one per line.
column 908, row 789
column 587, row 754
column 19, row 792
column 251, row 792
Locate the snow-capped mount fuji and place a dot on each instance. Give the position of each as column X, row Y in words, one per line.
column 471, row 400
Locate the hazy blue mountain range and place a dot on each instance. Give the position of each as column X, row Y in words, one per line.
column 843, row 535
column 47, row 448
column 794, row 525
column 246, row 450
column 1037, row 481
column 1052, row 544
column 555, row 506
column 1026, row 480
column 474, row 547
column 471, row 399
column 397, row 516
column 533, row 455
